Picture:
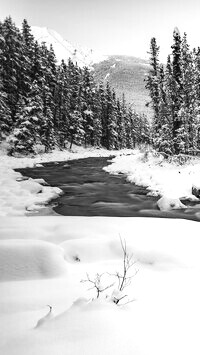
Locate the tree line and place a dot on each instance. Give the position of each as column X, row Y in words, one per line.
column 175, row 97
column 46, row 103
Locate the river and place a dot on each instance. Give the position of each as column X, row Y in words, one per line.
column 90, row 191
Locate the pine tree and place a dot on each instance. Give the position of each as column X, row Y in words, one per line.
column 62, row 103
column 152, row 82
column 48, row 134
column 97, row 119
column 5, row 114
column 26, row 59
column 23, row 137
column 178, row 88
column 87, row 103
column 10, row 62
column 120, row 126
column 111, row 123
column 76, row 129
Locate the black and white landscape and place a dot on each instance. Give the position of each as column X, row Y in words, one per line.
column 99, row 180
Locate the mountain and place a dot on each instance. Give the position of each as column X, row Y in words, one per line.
column 64, row 50
column 126, row 74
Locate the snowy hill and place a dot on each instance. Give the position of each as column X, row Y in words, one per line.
column 126, row 74
column 64, row 50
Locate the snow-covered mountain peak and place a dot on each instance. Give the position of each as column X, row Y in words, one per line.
column 64, row 49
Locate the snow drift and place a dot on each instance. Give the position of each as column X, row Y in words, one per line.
column 20, row 260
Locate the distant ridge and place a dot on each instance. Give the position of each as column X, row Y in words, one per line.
column 64, row 49
column 126, row 74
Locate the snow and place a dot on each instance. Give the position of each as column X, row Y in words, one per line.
column 171, row 181
column 21, row 259
column 163, row 317
column 176, row 31
column 44, row 259
column 168, row 204
column 18, row 197
column 107, row 76
column 65, row 50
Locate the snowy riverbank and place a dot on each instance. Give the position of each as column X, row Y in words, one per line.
column 43, row 260
column 19, row 197
column 172, row 181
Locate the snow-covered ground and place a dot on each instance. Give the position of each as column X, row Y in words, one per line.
column 54, row 254
column 44, row 259
column 171, row 181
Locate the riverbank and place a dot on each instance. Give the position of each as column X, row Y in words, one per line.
column 88, row 190
column 169, row 180
column 19, row 197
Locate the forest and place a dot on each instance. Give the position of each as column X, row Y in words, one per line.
column 175, row 97
column 44, row 104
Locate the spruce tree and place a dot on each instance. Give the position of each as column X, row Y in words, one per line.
column 5, row 114
column 152, row 82
column 178, row 89
column 10, row 62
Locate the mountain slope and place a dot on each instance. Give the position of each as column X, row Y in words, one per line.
column 65, row 50
column 126, row 75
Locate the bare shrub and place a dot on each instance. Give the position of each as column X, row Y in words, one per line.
column 122, row 279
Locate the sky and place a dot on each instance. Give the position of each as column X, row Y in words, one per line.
column 112, row 26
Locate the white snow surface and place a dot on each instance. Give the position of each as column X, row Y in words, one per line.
column 64, row 49
column 44, row 259
column 171, row 181
column 162, row 319
column 22, row 259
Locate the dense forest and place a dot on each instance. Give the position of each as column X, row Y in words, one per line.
column 175, row 93
column 45, row 103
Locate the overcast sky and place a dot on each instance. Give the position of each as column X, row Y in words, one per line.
column 111, row 26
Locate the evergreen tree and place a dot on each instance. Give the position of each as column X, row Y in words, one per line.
column 62, row 103
column 23, row 137
column 152, row 82
column 5, row 114
column 97, row 119
column 178, row 87
column 10, row 62
column 26, row 58
column 87, row 103
column 111, row 123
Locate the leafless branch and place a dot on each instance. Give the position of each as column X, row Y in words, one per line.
column 96, row 282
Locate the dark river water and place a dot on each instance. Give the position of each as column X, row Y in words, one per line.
column 90, row 191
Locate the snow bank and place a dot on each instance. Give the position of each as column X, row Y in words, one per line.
column 20, row 260
column 168, row 204
column 91, row 250
column 170, row 180
column 19, row 197
column 162, row 319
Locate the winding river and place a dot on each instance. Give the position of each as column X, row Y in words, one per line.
column 90, row 191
